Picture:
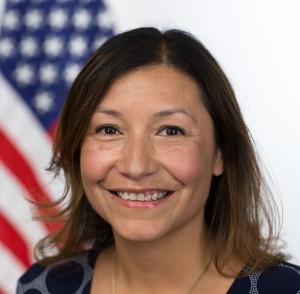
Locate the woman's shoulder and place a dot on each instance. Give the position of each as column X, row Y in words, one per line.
column 282, row 278
column 68, row 276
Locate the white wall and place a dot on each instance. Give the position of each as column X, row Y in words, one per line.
column 257, row 43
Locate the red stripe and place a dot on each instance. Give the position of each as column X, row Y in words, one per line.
column 22, row 170
column 1, row 291
column 12, row 240
column 52, row 129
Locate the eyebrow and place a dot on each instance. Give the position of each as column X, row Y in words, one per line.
column 160, row 114
column 172, row 111
column 109, row 111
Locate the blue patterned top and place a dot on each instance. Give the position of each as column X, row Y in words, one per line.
column 74, row 276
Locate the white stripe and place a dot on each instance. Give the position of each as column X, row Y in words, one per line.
column 17, row 210
column 10, row 270
column 22, row 128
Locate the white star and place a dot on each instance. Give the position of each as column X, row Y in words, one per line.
column 11, row 20
column 48, row 73
column 71, row 71
column 28, row 46
column 58, row 18
column 7, row 47
column 43, row 102
column 53, row 46
column 78, row 46
column 105, row 19
column 82, row 19
column 24, row 74
column 34, row 19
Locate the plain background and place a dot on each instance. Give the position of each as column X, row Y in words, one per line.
column 257, row 42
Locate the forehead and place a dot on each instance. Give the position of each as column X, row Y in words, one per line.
column 160, row 85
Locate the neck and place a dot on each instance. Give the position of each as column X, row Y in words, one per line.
column 160, row 263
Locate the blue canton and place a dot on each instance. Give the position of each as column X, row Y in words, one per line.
column 44, row 44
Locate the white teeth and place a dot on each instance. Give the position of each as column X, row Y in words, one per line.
column 140, row 197
column 124, row 196
column 154, row 196
column 132, row 196
column 148, row 196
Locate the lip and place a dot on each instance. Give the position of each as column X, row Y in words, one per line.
column 139, row 190
column 136, row 204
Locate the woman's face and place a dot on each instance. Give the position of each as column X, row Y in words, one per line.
column 149, row 154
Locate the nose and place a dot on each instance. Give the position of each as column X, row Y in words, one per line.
column 137, row 159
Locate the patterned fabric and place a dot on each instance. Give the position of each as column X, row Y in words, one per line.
column 71, row 276
column 74, row 276
column 281, row 279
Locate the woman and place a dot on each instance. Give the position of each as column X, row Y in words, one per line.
column 166, row 194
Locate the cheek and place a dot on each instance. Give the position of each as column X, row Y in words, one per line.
column 93, row 169
column 93, row 163
column 88, row 163
column 186, row 164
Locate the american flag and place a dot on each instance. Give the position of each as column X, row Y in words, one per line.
column 43, row 45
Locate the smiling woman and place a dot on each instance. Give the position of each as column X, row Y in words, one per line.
column 161, row 179
column 156, row 152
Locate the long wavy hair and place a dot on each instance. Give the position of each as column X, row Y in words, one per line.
column 240, row 212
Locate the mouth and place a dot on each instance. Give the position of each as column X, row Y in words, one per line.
column 142, row 196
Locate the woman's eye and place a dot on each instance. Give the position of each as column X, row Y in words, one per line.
column 107, row 130
column 171, row 131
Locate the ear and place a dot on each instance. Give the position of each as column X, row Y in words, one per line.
column 219, row 164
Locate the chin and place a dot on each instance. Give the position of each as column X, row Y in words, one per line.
column 139, row 233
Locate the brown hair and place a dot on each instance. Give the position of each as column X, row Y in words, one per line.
column 239, row 203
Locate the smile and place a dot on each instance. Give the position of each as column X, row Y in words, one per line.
column 145, row 196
